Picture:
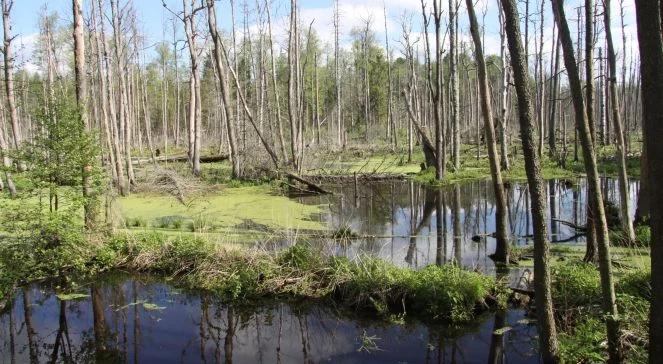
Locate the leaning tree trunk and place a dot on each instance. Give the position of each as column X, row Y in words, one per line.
column 225, row 92
column 594, row 184
column 501, row 225
column 548, row 344
column 627, row 223
column 648, row 15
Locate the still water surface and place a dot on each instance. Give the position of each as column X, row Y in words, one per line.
column 145, row 320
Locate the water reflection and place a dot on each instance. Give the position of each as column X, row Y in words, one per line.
column 146, row 321
column 415, row 225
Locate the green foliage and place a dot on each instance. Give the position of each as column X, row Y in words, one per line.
column 575, row 284
column 636, row 284
column 57, row 155
column 583, row 344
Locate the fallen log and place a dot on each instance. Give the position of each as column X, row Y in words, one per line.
column 359, row 176
column 181, row 158
column 526, row 292
column 311, row 186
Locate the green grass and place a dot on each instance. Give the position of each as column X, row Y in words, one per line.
column 447, row 293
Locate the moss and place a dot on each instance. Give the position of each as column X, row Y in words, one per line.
column 223, row 211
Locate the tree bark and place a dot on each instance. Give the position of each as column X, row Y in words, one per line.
column 627, row 223
column 501, row 223
column 650, row 43
column 591, row 252
column 548, row 344
column 453, row 83
column 125, row 121
column 109, row 101
column 8, row 54
column 593, row 188
column 81, row 101
column 225, row 92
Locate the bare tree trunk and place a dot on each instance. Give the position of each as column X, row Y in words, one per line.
column 648, row 14
column 541, row 83
column 453, row 83
column 594, row 187
column 195, row 115
column 81, row 100
column 277, row 99
column 8, row 54
column 225, row 92
column 337, row 76
column 591, row 253
column 548, row 344
column 392, row 134
column 627, row 223
column 552, row 142
column 6, row 162
column 122, row 60
column 435, row 86
column 501, row 223
column 109, row 104
column 504, row 96
column 293, row 87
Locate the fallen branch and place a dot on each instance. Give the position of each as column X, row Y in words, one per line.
column 312, row 186
column 571, row 225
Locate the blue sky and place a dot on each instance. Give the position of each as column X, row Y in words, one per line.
column 152, row 17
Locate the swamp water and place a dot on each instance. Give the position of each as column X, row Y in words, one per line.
column 413, row 225
column 140, row 319
column 143, row 320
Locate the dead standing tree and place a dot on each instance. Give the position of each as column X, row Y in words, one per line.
column 81, row 101
column 435, row 84
column 225, row 91
column 624, row 203
column 501, row 223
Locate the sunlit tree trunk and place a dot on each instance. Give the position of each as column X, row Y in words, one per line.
column 593, row 184
column 548, row 345
column 109, row 101
column 225, row 92
column 624, row 202
column 7, row 52
column 501, row 223
column 122, row 63
column 591, row 252
column 81, row 100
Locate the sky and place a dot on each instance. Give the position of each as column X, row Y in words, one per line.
column 155, row 21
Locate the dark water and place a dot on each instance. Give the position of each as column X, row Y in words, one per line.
column 142, row 320
column 414, row 225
